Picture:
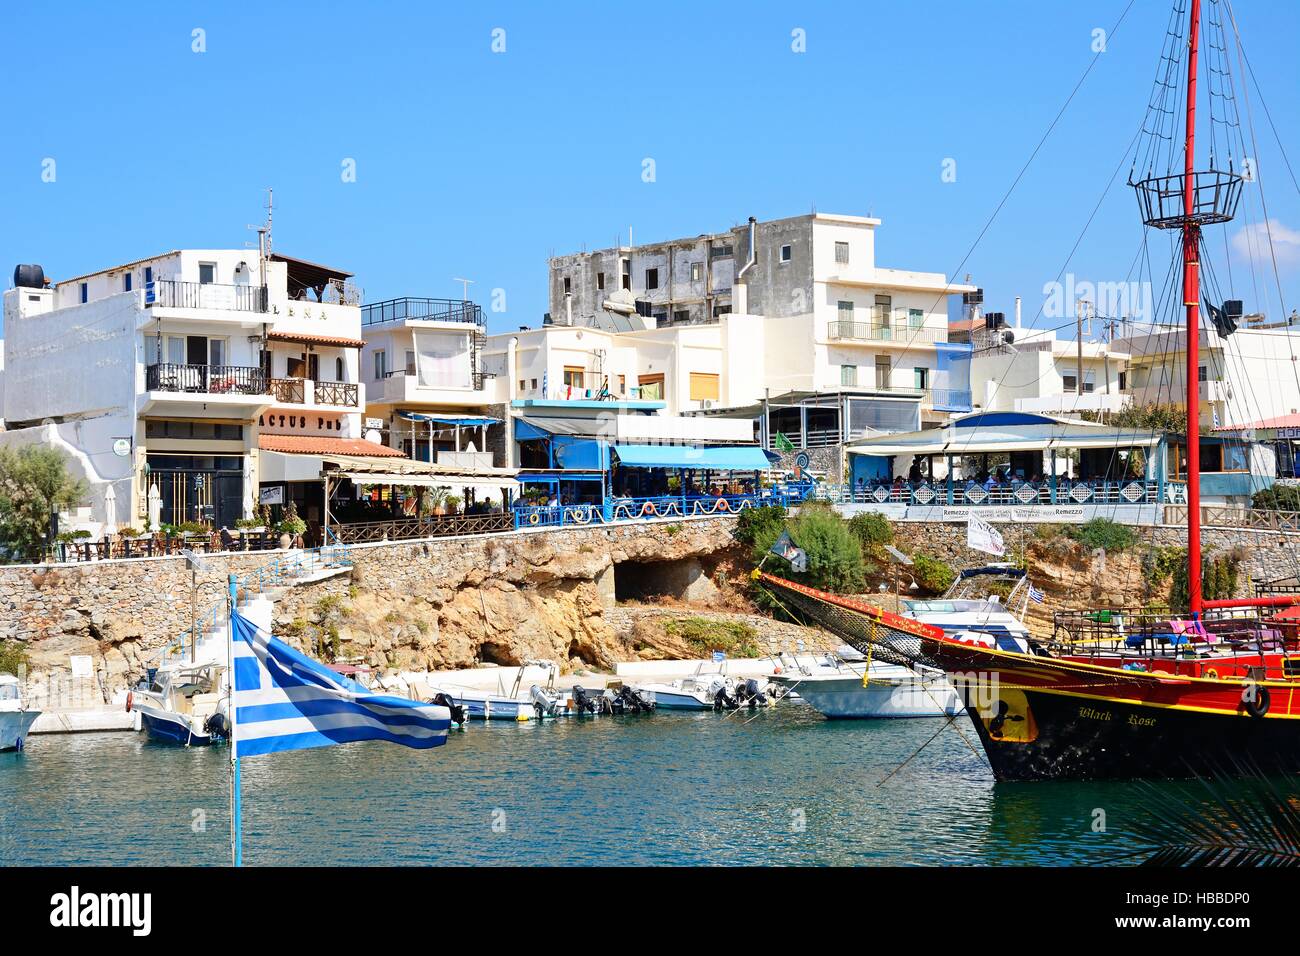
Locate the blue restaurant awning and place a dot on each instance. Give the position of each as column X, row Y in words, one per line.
column 716, row 457
column 464, row 421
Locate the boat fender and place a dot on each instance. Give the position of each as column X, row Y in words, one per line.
column 130, row 700
column 1212, row 674
column 1255, row 699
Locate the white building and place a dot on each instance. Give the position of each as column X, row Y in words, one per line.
column 1037, row 372
column 176, row 375
column 1249, row 376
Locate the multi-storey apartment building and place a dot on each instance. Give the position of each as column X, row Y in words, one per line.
column 1245, row 377
column 168, row 379
column 1033, row 370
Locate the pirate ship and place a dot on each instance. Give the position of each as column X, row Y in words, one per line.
column 1126, row 693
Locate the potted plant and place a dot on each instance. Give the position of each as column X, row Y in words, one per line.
column 452, row 502
column 291, row 526
column 438, row 499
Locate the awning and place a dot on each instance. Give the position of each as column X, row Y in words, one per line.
column 716, row 457
column 464, row 421
column 588, row 427
column 427, row 481
column 306, row 338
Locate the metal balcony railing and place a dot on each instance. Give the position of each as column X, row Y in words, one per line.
column 206, row 379
column 170, row 293
column 874, row 332
column 434, row 310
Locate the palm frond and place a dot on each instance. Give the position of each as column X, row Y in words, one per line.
column 1238, row 816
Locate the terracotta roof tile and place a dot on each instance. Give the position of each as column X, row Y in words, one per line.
column 313, row 445
column 334, row 340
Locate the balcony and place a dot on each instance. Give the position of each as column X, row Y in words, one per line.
column 294, row 391
column 948, row 399
column 423, row 310
column 206, row 390
column 173, row 294
column 902, row 335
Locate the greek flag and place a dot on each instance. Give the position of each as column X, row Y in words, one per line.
column 1036, row 595
column 287, row 701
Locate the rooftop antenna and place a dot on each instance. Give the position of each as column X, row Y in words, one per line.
column 264, row 239
column 464, row 285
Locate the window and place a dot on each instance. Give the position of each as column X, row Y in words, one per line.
column 126, row 282
column 921, row 378
column 600, row 281
column 882, row 371
column 85, row 292
column 522, row 385
column 622, row 384
column 410, row 361
column 848, row 375
column 207, row 273
column 534, row 385
column 148, row 274
column 1202, row 374
column 786, row 253
column 381, row 364
column 704, row 386
column 573, row 376
column 1123, row 381
column 568, row 285
column 681, row 316
column 652, row 278
column 338, row 369
column 884, row 306
column 216, row 351
column 651, row 386
column 697, row 271
column 842, row 253
column 264, row 361
column 845, row 310
column 1089, row 380
column 625, row 266
column 1069, row 383
column 915, row 318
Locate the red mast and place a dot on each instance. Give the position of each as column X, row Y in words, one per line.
column 1191, row 299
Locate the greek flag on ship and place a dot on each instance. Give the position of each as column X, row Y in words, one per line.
column 287, row 701
column 1036, row 595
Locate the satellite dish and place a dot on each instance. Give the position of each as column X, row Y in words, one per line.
column 374, row 436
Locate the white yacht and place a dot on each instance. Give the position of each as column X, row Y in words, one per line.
column 15, row 719
column 974, row 603
column 840, row 686
column 186, row 704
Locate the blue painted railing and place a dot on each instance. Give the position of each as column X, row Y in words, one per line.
column 618, row 510
column 1061, row 491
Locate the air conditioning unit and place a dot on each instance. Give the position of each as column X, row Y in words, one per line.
column 706, row 403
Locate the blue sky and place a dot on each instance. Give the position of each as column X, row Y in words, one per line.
column 481, row 164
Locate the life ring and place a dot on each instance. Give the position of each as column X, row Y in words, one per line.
column 1211, row 673
column 534, row 518
column 648, row 509
column 1255, row 699
column 130, row 700
column 722, row 505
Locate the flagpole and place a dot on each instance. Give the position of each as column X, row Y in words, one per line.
column 236, row 821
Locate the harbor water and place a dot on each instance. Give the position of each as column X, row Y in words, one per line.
column 782, row 786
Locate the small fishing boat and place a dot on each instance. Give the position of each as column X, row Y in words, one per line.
column 840, row 688
column 541, row 700
column 974, row 603
column 15, row 719
column 700, row 691
column 186, row 704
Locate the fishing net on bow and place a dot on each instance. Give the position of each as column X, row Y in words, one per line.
column 866, row 628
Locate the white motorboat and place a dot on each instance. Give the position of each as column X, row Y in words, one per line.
column 15, row 719
column 186, row 704
column 972, row 603
column 700, row 691
column 513, row 704
column 836, row 688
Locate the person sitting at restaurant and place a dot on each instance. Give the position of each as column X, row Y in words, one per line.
column 914, row 473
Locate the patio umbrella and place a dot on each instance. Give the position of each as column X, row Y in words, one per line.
column 248, row 493
column 110, row 511
column 155, row 506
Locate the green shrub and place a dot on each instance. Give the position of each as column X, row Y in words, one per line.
column 13, row 657
column 1220, row 575
column 754, row 524
column 34, row 481
column 932, row 575
column 834, row 554
column 872, row 529
column 704, row 636
column 1277, row 498
column 1104, row 533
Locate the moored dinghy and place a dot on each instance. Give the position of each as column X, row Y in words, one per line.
column 15, row 719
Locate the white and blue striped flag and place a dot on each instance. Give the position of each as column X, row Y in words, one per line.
column 1036, row 595
column 284, row 700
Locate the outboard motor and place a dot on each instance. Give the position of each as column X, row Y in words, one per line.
column 217, row 725
column 582, row 701
column 724, row 701
column 755, row 694
column 635, row 702
column 457, row 711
